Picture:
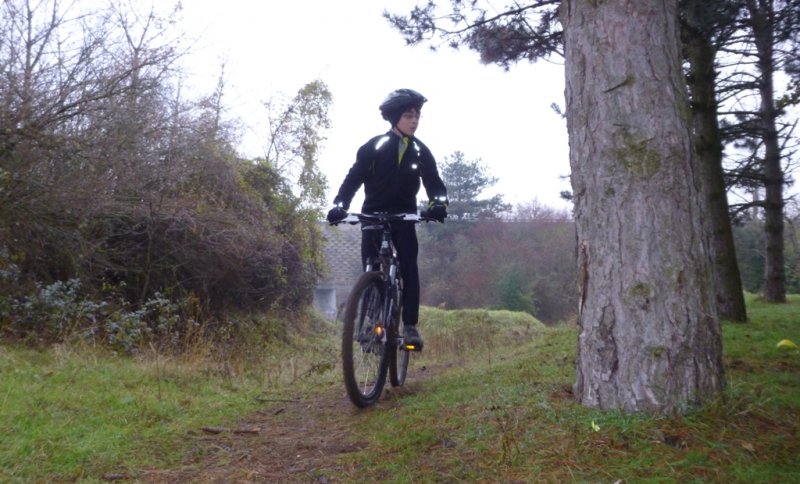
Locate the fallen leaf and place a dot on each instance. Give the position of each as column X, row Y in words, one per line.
column 748, row 447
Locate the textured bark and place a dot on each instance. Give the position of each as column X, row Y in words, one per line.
column 649, row 337
column 701, row 81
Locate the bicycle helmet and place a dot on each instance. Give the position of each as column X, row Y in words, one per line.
column 398, row 101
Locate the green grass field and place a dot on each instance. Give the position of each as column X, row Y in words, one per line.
column 514, row 420
column 75, row 413
column 502, row 411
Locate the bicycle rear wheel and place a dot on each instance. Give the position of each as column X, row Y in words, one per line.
column 398, row 364
column 364, row 354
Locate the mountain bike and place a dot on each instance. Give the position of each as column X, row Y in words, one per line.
column 372, row 335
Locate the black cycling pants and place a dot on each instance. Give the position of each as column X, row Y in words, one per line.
column 404, row 238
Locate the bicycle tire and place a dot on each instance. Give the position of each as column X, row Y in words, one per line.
column 365, row 359
column 398, row 363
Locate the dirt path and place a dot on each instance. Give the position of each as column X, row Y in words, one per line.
column 296, row 440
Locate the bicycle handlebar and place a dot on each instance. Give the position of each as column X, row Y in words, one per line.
column 354, row 218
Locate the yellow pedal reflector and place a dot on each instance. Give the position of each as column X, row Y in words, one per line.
column 410, row 347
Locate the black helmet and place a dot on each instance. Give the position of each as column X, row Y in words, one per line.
column 398, row 101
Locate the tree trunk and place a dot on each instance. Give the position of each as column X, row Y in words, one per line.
column 708, row 145
column 762, row 23
column 649, row 338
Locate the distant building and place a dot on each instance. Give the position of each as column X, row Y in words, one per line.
column 342, row 253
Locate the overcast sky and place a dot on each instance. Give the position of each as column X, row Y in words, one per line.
column 269, row 47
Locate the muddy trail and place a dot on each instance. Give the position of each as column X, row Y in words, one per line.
column 288, row 440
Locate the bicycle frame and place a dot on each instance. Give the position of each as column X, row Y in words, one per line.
column 387, row 257
column 388, row 264
column 372, row 339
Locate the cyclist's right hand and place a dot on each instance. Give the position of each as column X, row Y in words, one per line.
column 336, row 214
column 436, row 211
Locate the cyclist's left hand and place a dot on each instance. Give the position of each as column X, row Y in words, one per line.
column 438, row 211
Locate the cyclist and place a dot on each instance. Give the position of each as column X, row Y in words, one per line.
column 390, row 166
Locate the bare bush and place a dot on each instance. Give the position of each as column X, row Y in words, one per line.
column 109, row 176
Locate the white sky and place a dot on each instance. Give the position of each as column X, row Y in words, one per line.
column 269, row 47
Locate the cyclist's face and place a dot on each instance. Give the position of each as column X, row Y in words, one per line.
column 409, row 121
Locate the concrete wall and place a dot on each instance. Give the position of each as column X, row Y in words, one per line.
column 342, row 253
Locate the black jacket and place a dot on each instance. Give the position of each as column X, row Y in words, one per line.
column 389, row 186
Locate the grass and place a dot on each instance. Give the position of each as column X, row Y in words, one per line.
column 69, row 412
column 502, row 411
column 514, row 419
column 460, row 334
column 76, row 413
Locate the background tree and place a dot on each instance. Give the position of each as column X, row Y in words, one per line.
column 765, row 43
column 792, row 244
column 749, row 238
column 530, row 31
column 49, row 86
column 749, row 232
column 541, row 243
column 516, row 263
column 649, row 335
column 704, row 26
column 522, row 31
column 111, row 177
column 466, row 180
column 445, row 251
column 295, row 135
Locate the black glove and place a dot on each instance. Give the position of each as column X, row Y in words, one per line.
column 437, row 211
column 336, row 214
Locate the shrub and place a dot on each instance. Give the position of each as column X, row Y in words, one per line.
column 53, row 311
column 58, row 311
column 158, row 318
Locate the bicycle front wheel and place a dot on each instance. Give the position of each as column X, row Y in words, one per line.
column 365, row 358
